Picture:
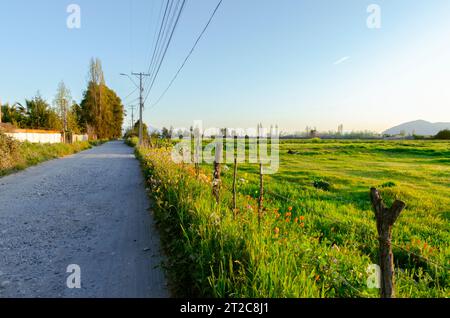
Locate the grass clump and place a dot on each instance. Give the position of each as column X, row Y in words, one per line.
column 322, row 185
column 389, row 184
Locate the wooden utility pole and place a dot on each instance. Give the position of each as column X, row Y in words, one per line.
column 132, row 108
column 385, row 221
column 141, row 106
column 141, row 102
column 132, row 117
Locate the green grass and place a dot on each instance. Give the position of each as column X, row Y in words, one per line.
column 21, row 155
column 311, row 243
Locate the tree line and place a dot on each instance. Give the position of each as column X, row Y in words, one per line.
column 100, row 113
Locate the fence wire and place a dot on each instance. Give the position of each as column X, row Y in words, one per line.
column 367, row 229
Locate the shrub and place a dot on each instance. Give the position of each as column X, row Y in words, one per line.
column 322, row 185
column 132, row 142
column 389, row 184
column 443, row 135
column 9, row 152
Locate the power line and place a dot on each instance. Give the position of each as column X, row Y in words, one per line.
column 167, row 30
column 167, row 25
column 188, row 56
column 165, row 50
column 155, row 35
column 129, row 95
column 161, row 28
column 133, row 100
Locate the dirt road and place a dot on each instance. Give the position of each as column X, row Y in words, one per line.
column 89, row 210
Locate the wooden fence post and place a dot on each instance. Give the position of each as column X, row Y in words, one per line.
column 261, row 193
column 385, row 221
column 217, row 170
column 235, row 185
column 197, row 156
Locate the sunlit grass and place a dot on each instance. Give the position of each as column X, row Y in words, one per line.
column 21, row 155
column 311, row 243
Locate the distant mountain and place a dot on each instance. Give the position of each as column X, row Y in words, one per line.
column 418, row 127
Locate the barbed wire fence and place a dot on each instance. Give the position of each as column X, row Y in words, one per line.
column 381, row 214
column 387, row 288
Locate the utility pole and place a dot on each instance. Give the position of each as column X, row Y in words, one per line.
column 132, row 117
column 141, row 102
column 132, row 107
column 141, row 107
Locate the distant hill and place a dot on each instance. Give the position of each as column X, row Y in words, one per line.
column 418, row 127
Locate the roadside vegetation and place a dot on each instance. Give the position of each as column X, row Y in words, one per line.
column 318, row 234
column 15, row 156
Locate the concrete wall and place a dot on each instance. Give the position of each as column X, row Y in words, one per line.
column 40, row 136
column 77, row 138
column 36, row 136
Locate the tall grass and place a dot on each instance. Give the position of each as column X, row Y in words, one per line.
column 33, row 154
column 215, row 253
column 311, row 243
column 20, row 155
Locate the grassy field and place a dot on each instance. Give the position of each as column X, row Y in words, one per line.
column 311, row 243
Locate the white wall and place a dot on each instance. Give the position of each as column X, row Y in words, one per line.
column 76, row 138
column 44, row 138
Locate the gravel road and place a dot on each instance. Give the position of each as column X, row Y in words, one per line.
column 89, row 209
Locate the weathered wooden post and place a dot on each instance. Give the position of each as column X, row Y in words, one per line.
column 385, row 221
column 235, row 185
column 261, row 194
column 217, row 170
column 197, row 146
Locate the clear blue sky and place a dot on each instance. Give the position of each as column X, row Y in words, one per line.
column 290, row 62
